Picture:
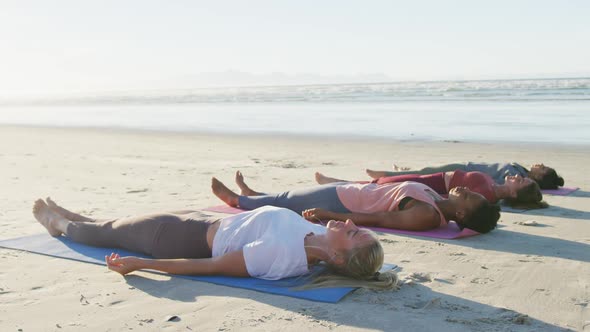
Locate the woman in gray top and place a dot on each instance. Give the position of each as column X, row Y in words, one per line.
column 546, row 177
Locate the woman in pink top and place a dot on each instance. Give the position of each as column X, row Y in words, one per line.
column 408, row 205
column 516, row 191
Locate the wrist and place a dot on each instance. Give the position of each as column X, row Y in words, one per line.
column 144, row 263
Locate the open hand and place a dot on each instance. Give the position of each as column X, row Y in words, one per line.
column 316, row 214
column 122, row 265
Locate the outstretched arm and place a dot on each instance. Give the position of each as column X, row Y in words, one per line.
column 379, row 174
column 420, row 217
column 231, row 264
column 426, row 170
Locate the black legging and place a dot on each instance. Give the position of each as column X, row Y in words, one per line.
column 162, row 235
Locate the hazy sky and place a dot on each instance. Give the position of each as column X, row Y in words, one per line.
column 61, row 46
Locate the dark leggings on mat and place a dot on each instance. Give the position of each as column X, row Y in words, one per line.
column 323, row 196
column 162, row 235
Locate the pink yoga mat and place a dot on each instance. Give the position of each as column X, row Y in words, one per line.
column 563, row 191
column 450, row 231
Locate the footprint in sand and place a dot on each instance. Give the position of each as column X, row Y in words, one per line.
column 420, row 277
column 481, row 281
column 429, row 304
column 544, row 291
column 135, row 191
column 83, row 300
column 445, row 281
column 291, row 165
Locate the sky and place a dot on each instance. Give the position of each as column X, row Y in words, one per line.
column 52, row 47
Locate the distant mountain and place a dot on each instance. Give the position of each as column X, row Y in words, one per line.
column 234, row 78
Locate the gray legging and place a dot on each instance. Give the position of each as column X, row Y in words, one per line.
column 430, row 170
column 323, row 196
column 162, row 235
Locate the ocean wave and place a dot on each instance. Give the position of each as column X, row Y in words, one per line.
column 492, row 90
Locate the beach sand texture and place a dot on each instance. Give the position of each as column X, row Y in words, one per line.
column 531, row 278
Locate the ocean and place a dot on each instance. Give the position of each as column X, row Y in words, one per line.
column 522, row 111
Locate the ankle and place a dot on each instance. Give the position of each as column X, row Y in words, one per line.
column 61, row 224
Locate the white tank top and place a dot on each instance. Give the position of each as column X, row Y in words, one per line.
column 272, row 240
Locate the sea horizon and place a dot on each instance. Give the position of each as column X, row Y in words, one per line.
column 514, row 110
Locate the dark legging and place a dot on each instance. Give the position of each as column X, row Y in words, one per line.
column 162, row 235
column 323, row 196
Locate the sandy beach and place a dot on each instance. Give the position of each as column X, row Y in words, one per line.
column 517, row 278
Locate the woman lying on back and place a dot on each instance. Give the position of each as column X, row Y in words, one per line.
column 268, row 243
column 545, row 176
column 516, row 191
column 406, row 205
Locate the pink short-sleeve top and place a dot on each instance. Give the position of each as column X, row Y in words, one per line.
column 373, row 197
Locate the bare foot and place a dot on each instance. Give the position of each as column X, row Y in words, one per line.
column 66, row 213
column 375, row 174
column 220, row 190
column 322, row 179
column 245, row 190
column 46, row 217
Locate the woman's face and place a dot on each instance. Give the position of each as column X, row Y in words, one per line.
column 516, row 182
column 538, row 171
column 343, row 236
column 538, row 166
column 466, row 201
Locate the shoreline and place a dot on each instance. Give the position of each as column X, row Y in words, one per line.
column 301, row 137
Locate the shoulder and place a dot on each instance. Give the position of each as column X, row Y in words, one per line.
column 420, row 216
column 427, row 211
column 423, row 211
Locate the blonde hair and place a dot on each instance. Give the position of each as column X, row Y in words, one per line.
column 360, row 270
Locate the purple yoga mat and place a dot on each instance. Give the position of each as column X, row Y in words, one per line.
column 450, row 231
column 563, row 191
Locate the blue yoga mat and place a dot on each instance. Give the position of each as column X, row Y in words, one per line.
column 62, row 247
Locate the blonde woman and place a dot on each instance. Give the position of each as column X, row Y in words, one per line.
column 268, row 243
